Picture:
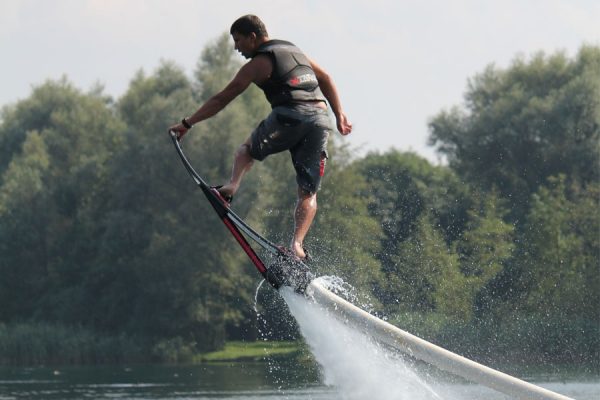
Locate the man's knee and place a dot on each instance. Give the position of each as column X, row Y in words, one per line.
column 305, row 195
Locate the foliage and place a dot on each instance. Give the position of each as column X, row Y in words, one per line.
column 562, row 250
column 108, row 253
column 525, row 124
column 531, row 136
column 41, row 343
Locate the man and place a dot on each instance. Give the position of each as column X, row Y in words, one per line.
column 297, row 89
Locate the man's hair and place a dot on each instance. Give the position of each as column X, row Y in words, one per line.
column 247, row 24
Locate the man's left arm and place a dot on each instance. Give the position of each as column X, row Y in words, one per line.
column 331, row 94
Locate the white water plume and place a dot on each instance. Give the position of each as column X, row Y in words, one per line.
column 350, row 361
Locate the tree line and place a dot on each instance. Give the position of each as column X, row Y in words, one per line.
column 106, row 244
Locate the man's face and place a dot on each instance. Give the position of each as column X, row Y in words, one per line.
column 246, row 45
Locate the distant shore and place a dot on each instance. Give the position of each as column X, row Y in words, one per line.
column 253, row 351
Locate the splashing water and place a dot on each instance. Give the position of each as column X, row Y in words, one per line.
column 256, row 298
column 350, row 361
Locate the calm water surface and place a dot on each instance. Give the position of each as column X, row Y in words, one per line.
column 236, row 381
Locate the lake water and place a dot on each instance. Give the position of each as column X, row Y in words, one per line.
column 343, row 364
column 235, row 381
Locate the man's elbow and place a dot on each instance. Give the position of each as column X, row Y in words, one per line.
column 324, row 79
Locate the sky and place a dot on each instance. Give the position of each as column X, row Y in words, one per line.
column 396, row 63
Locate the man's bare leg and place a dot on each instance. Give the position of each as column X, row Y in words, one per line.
column 241, row 164
column 306, row 209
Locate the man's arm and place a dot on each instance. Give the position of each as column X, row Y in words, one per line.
column 253, row 71
column 331, row 94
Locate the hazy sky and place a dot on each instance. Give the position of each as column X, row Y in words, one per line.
column 396, row 63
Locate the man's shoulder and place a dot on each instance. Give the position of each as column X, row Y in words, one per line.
column 261, row 59
column 274, row 43
column 260, row 67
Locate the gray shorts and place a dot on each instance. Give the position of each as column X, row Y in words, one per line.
column 301, row 129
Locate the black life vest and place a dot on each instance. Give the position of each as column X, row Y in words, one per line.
column 293, row 79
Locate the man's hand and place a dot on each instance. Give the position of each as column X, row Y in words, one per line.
column 343, row 125
column 179, row 130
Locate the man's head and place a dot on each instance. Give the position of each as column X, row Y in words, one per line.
column 248, row 33
column 249, row 24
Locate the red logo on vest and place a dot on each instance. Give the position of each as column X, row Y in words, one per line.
column 298, row 80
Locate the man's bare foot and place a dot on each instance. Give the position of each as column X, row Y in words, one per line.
column 298, row 250
column 226, row 191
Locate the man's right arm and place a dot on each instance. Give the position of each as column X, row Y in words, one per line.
column 218, row 102
column 253, row 71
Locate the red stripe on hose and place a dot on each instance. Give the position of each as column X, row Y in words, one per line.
column 245, row 246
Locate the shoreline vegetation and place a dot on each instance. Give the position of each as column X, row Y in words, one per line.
column 50, row 344
column 255, row 351
column 38, row 344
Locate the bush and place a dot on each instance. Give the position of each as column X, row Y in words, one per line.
column 44, row 343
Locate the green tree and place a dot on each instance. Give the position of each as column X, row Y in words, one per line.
column 487, row 242
column 524, row 124
column 193, row 283
column 116, row 237
column 552, row 300
column 486, row 247
column 425, row 275
column 422, row 210
column 23, row 219
column 563, row 251
column 67, row 138
column 404, row 185
column 168, row 242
